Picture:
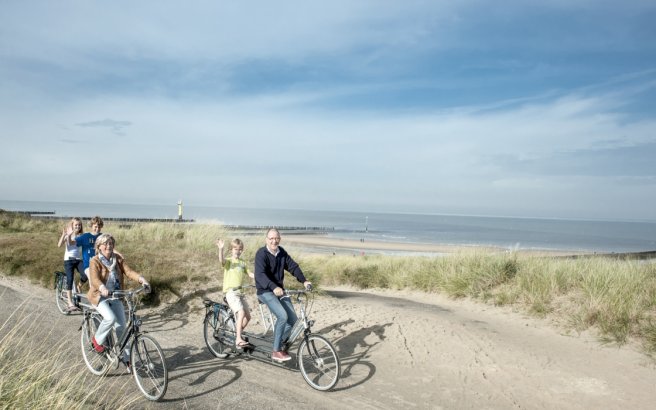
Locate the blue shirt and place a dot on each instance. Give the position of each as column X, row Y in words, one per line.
column 87, row 241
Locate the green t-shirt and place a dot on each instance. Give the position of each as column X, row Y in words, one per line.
column 233, row 273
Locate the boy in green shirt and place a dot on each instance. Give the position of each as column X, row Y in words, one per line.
column 234, row 271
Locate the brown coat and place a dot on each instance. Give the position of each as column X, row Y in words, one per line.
column 98, row 275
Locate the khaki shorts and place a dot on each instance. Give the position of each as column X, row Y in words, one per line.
column 236, row 301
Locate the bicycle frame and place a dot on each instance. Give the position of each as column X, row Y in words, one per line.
column 316, row 357
column 132, row 326
column 303, row 324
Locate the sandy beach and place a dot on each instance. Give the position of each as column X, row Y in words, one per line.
column 324, row 244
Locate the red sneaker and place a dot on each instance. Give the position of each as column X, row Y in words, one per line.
column 99, row 348
column 280, row 357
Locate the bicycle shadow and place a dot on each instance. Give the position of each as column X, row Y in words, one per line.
column 176, row 315
column 191, row 367
column 354, row 352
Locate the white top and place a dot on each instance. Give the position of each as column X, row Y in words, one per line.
column 72, row 252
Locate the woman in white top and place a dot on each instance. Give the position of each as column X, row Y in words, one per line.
column 72, row 257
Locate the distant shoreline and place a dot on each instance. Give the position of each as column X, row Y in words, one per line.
column 322, row 244
column 314, row 243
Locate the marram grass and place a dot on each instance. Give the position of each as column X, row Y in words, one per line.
column 37, row 375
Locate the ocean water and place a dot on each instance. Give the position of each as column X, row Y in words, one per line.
column 506, row 232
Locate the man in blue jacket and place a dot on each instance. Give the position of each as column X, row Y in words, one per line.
column 271, row 262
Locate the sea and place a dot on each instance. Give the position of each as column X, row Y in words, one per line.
column 513, row 233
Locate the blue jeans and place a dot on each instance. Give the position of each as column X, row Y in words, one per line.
column 113, row 315
column 285, row 315
column 70, row 266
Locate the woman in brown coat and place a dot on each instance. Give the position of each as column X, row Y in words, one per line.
column 107, row 272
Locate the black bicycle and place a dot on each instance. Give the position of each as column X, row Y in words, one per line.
column 316, row 357
column 61, row 297
column 147, row 362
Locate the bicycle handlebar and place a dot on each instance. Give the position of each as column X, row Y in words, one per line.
column 290, row 292
column 129, row 293
column 242, row 287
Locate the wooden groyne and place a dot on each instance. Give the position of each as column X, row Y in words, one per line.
column 123, row 220
column 51, row 215
column 34, row 212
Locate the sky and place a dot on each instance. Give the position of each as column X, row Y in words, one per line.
column 513, row 108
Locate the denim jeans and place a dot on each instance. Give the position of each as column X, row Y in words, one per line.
column 113, row 315
column 283, row 310
column 69, row 267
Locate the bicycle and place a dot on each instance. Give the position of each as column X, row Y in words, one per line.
column 316, row 356
column 147, row 361
column 61, row 297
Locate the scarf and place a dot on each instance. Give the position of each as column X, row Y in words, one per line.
column 112, row 281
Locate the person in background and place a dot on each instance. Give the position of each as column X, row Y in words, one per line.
column 234, row 275
column 72, row 258
column 87, row 241
column 107, row 270
column 271, row 261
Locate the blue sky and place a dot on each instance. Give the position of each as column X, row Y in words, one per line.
column 510, row 108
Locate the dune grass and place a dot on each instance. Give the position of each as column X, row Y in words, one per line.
column 614, row 297
column 41, row 376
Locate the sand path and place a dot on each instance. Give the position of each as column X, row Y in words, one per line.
column 398, row 350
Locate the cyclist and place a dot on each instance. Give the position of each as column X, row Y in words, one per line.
column 72, row 259
column 106, row 272
column 271, row 261
column 234, row 271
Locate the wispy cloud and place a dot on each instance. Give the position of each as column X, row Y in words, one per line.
column 116, row 127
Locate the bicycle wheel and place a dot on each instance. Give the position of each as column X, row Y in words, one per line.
column 98, row 363
column 149, row 367
column 60, row 293
column 219, row 333
column 319, row 363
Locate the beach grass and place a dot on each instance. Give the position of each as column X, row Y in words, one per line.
column 41, row 376
column 614, row 297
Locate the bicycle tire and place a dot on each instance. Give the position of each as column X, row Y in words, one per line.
column 97, row 363
column 318, row 362
column 219, row 333
column 60, row 297
column 149, row 367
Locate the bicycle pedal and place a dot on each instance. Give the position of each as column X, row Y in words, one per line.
column 113, row 361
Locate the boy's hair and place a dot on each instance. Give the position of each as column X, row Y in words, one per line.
column 237, row 242
column 96, row 220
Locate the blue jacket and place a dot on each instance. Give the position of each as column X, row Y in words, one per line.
column 270, row 270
